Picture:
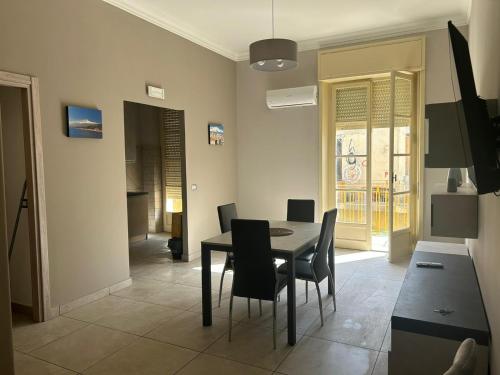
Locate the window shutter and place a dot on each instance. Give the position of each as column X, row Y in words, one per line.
column 171, row 145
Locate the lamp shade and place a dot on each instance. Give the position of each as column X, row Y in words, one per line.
column 273, row 55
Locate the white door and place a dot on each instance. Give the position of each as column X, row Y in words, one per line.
column 401, row 164
column 351, row 181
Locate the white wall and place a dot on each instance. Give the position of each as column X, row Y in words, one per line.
column 484, row 40
column 286, row 164
column 15, row 175
column 92, row 54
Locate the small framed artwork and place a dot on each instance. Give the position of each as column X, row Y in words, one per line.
column 215, row 134
column 84, row 122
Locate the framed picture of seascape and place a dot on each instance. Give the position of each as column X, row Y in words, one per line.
column 84, row 122
column 215, row 134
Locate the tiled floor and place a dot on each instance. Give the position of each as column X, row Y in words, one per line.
column 154, row 326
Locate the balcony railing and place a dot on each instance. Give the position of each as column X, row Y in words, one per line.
column 352, row 208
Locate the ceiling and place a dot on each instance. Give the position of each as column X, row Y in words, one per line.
column 229, row 26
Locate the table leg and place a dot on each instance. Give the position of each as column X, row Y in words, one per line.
column 291, row 303
column 206, row 285
column 331, row 264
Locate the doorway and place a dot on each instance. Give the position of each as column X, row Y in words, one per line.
column 23, row 191
column 156, row 185
column 374, row 151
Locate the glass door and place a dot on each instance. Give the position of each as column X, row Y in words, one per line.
column 351, row 107
column 400, row 164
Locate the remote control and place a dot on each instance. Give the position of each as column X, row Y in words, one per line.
column 429, row 265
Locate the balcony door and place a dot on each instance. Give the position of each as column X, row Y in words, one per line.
column 372, row 173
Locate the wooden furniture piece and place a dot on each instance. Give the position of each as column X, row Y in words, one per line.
column 137, row 215
column 288, row 247
column 436, row 310
column 176, row 224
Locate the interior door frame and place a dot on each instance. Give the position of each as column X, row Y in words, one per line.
column 37, row 218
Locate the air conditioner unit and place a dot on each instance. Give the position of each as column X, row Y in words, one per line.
column 292, row 97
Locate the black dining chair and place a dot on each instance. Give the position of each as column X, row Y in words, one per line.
column 255, row 273
column 302, row 210
column 316, row 269
column 227, row 212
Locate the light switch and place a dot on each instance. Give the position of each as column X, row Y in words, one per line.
column 194, row 187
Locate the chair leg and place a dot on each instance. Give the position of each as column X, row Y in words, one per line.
column 332, row 282
column 221, row 281
column 320, row 302
column 274, row 324
column 307, row 292
column 248, row 303
column 230, row 316
column 260, row 307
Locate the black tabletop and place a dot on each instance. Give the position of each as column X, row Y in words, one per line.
column 454, row 288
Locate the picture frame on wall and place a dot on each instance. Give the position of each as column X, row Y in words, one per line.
column 82, row 122
column 215, row 134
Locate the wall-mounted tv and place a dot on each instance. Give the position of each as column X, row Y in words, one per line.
column 479, row 132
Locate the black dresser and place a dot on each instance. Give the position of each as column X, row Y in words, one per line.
column 435, row 311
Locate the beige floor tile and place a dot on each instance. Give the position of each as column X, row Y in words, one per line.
column 141, row 289
column 209, row 365
column 306, row 316
column 96, row 310
column 362, row 329
column 386, row 345
column 84, row 348
column 186, row 330
column 29, row 336
column 176, row 296
column 138, row 318
column 144, row 356
column 27, row 365
column 252, row 345
column 381, row 367
column 316, row 356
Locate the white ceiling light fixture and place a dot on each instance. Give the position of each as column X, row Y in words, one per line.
column 273, row 55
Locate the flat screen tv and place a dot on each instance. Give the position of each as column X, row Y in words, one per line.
column 479, row 133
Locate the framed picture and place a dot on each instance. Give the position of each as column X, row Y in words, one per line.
column 84, row 122
column 215, row 134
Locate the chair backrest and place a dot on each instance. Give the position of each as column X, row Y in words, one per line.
column 464, row 362
column 300, row 210
column 254, row 271
column 320, row 259
column 227, row 212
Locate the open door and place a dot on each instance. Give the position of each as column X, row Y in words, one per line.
column 351, row 180
column 401, row 164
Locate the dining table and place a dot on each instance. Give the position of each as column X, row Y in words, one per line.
column 288, row 247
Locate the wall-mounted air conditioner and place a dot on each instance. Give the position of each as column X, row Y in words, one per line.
column 292, row 97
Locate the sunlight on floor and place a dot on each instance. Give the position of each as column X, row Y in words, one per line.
column 352, row 256
column 358, row 255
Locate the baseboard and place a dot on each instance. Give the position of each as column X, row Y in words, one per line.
column 21, row 309
column 67, row 307
column 119, row 286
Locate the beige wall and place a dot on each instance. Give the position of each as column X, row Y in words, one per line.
column 484, row 39
column 287, row 141
column 278, row 150
column 92, row 54
column 15, row 175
